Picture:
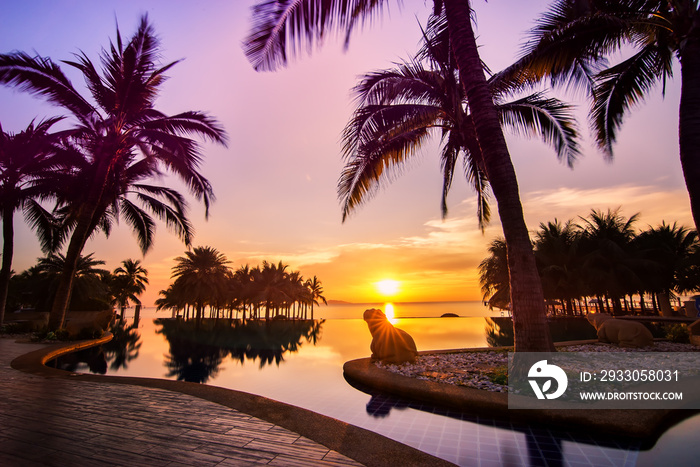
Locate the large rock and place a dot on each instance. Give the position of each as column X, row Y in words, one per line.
column 389, row 344
column 621, row 332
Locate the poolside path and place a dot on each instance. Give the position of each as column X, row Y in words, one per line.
column 59, row 421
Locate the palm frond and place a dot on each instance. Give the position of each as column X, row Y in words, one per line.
column 621, row 87
column 285, row 28
column 187, row 123
column 376, row 160
column 141, row 223
column 174, row 215
column 44, row 224
column 549, row 118
column 40, row 76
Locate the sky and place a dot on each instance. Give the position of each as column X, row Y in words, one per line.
column 275, row 184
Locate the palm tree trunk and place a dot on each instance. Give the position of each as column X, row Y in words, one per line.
column 8, row 245
column 689, row 121
column 87, row 221
column 65, row 284
column 527, row 300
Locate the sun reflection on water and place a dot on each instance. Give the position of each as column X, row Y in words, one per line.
column 390, row 313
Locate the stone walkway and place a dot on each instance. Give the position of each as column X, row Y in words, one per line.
column 59, row 421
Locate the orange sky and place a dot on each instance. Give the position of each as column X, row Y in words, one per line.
column 276, row 183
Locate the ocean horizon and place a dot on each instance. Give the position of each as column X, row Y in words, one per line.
column 347, row 310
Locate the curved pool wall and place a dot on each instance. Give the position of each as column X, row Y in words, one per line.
column 311, row 377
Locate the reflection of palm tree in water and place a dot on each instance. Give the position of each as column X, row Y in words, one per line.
column 193, row 362
column 198, row 348
column 124, row 346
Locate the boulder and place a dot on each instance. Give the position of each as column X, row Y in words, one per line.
column 621, row 332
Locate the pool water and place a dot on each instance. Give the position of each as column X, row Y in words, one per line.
column 301, row 364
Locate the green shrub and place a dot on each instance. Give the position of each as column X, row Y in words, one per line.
column 499, row 375
column 678, row 333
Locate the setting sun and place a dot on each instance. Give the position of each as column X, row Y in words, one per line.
column 388, row 287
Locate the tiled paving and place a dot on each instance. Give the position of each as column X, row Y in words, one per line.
column 62, row 422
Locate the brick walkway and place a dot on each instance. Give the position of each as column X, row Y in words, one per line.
column 56, row 421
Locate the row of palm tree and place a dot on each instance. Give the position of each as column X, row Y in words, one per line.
column 203, row 280
column 97, row 170
column 95, row 288
column 601, row 263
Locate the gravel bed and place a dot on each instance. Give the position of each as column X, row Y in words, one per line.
column 479, row 369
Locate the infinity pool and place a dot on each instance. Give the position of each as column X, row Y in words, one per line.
column 301, row 364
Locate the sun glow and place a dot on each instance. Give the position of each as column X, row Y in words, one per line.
column 390, row 313
column 388, row 287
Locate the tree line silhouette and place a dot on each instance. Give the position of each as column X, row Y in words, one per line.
column 203, row 282
column 602, row 264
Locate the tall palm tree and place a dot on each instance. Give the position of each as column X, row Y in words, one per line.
column 559, row 258
column 670, row 248
column 283, row 27
column 90, row 288
column 120, row 128
column 493, row 275
column 128, row 281
column 203, row 275
column 609, row 258
column 270, row 285
column 26, row 167
column 571, row 42
column 316, row 293
column 399, row 109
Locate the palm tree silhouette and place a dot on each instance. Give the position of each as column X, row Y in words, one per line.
column 609, row 260
column 493, row 275
column 203, row 275
column 90, row 288
column 120, row 130
column 559, row 257
column 281, row 28
column 315, row 294
column 571, row 42
column 673, row 250
column 128, row 281
column 399, row 109
column 26, row 168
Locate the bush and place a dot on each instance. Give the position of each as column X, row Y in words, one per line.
column 678, row 333
column 498, row 375
column 15, row 328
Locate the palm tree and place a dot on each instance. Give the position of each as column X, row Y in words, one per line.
column 316, row 293
column 574, row 38
column 203, row 275
column 270, row 285
column 304, row 21
column 90, row 287
column 670, row 248
column 118, row 130
column 399, row 109
column 494, row 277
column 128, row 281
column 610, row 261
column 26, row 167
column 559, row 258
